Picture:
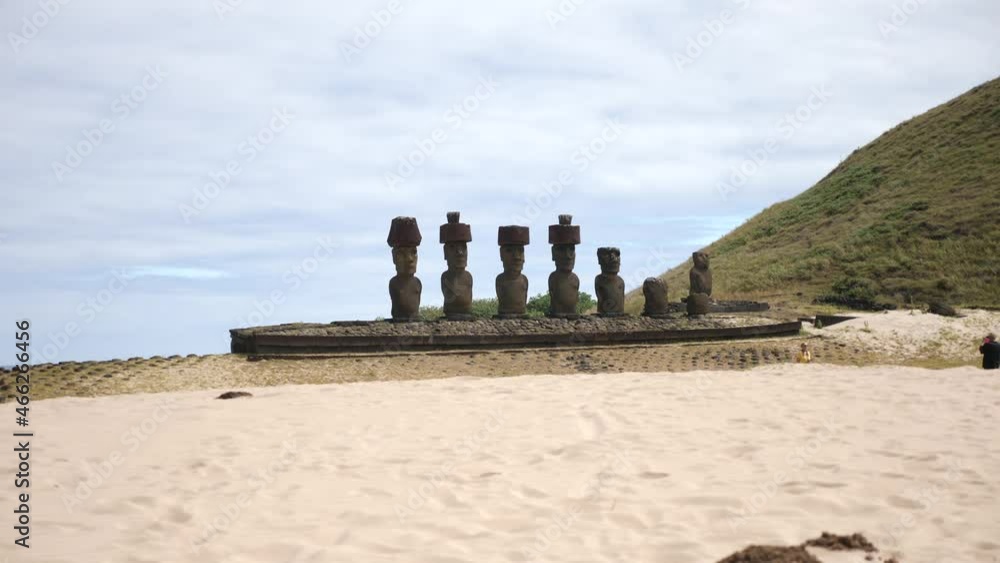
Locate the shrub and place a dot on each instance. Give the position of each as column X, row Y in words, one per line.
column 854, row 293
column 539, row 305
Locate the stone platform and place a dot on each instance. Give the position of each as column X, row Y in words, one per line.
column 384, row 336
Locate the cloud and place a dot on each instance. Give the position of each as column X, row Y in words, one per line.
column 325, row 174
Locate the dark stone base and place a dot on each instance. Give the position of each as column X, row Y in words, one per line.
column 298, row 339
column 458, row 317
column 406, row 320
column 611, row 315
column 510, row 316
column 657, row 316
column 571, row 317
column 830, row 320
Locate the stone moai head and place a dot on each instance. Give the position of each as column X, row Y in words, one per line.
column 700, row 260
column 564, row 237
column 655, row 292
column 405, row 259
column 455, row 237
column 404, row 238
column 512, row 240
column 610, row 259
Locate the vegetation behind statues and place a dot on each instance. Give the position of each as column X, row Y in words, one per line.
column 486, row 308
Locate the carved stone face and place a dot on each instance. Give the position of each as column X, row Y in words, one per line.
column 512, row 256
column 564, row 255
column 457, row 255
column 700, row 260
column 611, row 262
column 405, row 259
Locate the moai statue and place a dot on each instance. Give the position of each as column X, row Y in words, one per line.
column 655, row 292
column 700, row 299
column 404, row 288
column 456, row 282
column 609, row 286
column 512, row 285
column 564, row 286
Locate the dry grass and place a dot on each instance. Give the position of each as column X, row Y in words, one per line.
column 906, row 219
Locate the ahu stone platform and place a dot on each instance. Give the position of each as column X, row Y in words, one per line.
column 388, row 337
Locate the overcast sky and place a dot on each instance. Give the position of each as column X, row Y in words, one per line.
column 171, row 168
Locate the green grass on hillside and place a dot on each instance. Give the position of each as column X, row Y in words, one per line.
column 910, row 218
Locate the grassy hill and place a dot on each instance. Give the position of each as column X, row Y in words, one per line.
column 912, row 217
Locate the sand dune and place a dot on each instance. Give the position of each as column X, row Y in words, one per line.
column 627, row 467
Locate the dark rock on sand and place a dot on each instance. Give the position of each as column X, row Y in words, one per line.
column 234, row 395
column 942, row 309
column 841, row 543
column 771, row 554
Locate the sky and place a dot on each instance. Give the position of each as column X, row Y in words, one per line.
column 172, row 170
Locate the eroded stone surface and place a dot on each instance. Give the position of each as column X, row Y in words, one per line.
column 700, row 298
column 512, row 285
column 608, row 285
column 456, row 281
column 564, row 285
column 655, row 292
column 405, row 288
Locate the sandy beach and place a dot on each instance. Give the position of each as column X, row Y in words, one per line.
column 683, row 467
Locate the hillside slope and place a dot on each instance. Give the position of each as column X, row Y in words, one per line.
column 912, row 217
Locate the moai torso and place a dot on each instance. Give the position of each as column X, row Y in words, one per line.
column 456, row 282
column 404, row 287
column 701, row 274
column 564, row 292
column 404, row 291
column 655, row 292
column 609, row 286
column 512, row 294
column 564, row 286
column 512, row 285
column 456, row 285
column 610, row 289
column 699, row 301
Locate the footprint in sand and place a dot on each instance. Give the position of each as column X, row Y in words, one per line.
column 903, row 502
column 592, row 424
column 178, row 515
column 144, row 501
